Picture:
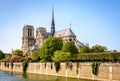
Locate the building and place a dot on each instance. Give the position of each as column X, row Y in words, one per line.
column 28, row 39
column 29, row 42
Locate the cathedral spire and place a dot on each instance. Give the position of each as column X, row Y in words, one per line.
column 52, row 23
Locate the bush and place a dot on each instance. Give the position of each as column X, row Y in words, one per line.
column 98, row 49
column 67, row 64
column 99, row 57
column 57, row 66
column 17, row 52
column 77, row 66
column 84, row 49
column 51, row 65
column 6, row 59
column 35, row 55
column 45, row 64
column 43, row 60
column 5, row 64
column 95, row 67
column 25, row 65
column 70, row 47
column 1, row 55
column 60, row 56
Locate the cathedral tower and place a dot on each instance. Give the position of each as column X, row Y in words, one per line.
column 52, row 23
column 40, row 36
column 28, row 39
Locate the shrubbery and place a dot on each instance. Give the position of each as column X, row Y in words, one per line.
column 95, row 67
column 6, row 59
column 70, row 47
column 85, row 49
column 25, row 65
column 35, row 56
column 103, row 57
column 60, row 56
column 77, row 66
column 17, row 52
column 57, row 66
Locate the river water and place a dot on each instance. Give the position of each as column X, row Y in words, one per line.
column 7, row 76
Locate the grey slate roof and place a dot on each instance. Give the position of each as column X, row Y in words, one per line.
column 35, row 47
column 46, row 34
column 64, row 33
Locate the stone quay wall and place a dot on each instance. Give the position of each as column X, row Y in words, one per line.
column 106, row 72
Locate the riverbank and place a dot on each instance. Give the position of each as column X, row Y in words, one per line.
column 18, row 76
column 106, row 71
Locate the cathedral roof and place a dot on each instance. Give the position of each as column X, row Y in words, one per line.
column 65, row 32
column 46, row 34
column 41, row 28
column 35, row 47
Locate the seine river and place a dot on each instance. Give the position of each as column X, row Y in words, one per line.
column 7, row 76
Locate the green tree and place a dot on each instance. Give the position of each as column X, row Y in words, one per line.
column 17, row 52
column 70, row 47
column 60, row 56
column 6, row 59
column 50, row 45
column 35, row 55
column 84, row 49
column 98, row 49
column 1, row 55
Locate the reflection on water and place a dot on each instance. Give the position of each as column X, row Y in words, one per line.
column 24, row 75
column 8, row 76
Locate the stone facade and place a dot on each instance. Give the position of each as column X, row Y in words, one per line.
column 28, row 38
column 41, row 35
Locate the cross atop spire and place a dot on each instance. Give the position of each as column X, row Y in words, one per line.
column 52, row 23
column 70, row 25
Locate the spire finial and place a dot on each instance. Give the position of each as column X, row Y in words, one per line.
column 11, row 50
column 70, row 25
column 52, row 23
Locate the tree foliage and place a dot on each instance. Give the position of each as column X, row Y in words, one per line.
column 1, row 55
column 70, row 47
column 17, row 52
column 6, row 59
column 60, row 56
column 16, row 58
column 98, row 49
column 50, row 45
column 84, row 49
column 35, row 56
column 101, row 57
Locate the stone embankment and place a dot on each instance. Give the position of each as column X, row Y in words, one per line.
column 106, row 71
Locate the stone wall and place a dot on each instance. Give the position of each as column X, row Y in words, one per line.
column 107, row 71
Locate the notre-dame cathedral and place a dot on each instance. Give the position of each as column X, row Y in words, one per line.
column 29, row 42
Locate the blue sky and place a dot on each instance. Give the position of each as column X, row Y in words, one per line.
column 93, row 21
